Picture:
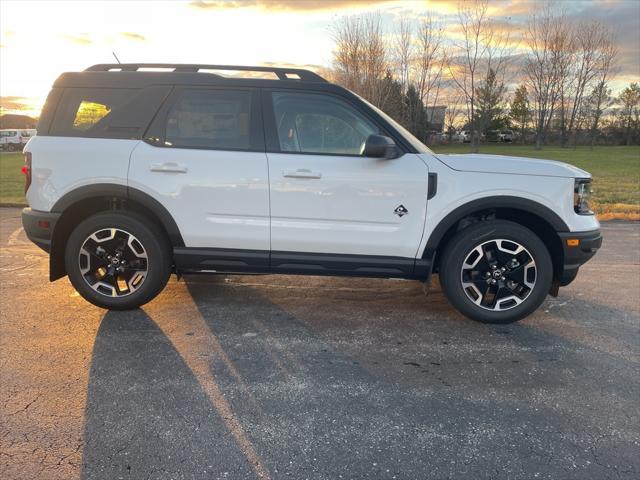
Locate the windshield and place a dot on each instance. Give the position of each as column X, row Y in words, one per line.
column 406, row 134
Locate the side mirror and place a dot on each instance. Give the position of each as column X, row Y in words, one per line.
column 379, row 146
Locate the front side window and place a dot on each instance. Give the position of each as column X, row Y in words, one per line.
column 319, row 123
column 218, row 119
column 10, row 133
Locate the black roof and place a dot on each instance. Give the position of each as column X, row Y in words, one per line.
column 140, row 75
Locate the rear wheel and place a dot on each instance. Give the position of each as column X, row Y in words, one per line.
column 118, row 260
column 496, row 272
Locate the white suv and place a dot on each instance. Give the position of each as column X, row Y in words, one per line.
column 136, row 174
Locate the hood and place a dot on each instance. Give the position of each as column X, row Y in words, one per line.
column 473, row 162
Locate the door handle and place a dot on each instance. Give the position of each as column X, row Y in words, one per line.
column 301, row 173
column 168, row 168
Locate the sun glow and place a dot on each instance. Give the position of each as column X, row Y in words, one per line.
column 41, row 39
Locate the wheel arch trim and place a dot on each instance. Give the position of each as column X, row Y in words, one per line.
column 485, row 203
column 129, row 193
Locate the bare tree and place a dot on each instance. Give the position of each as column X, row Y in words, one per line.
column 601, row 96
column 403, row 51
column 563, row 57
column 360, row 56
column 455, row 106
column 429, row 63
column 544, row 65
column 593, row 53
column 481, row 50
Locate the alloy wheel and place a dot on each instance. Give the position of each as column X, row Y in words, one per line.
column 113, row 262
column 498, row 274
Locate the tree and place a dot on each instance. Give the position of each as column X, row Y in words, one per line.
column 360, row 56
column 403, row 51
column 452, row 114
column 630, row 111
column 428, row 64
column 520, row 110
column 591, row 58
column 545, row 65
column 490, row 99
column 418, row 122
column 481, row 49
column 594, row 106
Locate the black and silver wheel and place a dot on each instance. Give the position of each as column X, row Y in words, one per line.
column 117, row 260
column 496, row 272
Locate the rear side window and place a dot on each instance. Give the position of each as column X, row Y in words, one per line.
column 217, row 119
column 82, row 111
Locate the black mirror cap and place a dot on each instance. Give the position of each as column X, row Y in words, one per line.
column 379, row 146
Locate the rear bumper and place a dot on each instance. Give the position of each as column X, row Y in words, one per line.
column 588, row 244
column 39, row 227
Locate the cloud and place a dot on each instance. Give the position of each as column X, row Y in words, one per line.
column 133, row 36
column 81, row 39
column 307, row 5
column 15, row 103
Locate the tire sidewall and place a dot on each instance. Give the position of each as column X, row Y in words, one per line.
column 153, row 241
column 462, row 244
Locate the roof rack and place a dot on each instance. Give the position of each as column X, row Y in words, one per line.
column 281, row 73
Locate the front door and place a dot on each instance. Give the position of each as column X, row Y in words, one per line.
column 326, row 198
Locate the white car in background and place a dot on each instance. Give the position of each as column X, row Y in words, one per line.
column 14, row 140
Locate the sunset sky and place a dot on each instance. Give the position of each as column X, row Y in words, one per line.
column 39, row 40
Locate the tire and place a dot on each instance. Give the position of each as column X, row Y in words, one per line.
column 479, row 277
column 118, row 260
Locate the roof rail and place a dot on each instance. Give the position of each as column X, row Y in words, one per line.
column 281, row 72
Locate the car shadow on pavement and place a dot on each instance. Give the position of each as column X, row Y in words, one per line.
column 218, row 379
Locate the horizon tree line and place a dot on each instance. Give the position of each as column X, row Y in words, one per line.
column 557, row 84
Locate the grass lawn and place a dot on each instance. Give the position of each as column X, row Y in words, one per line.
column 616, row 173
column 11, row 178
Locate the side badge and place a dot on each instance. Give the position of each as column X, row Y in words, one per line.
column 401, row 211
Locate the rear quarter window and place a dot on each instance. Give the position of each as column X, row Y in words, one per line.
column 83, row 111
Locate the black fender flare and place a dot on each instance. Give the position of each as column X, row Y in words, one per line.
column 486, row 203
column 128, row 193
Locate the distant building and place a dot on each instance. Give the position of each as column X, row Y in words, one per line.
column 435, row 118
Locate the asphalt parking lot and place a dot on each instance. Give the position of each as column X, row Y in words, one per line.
column 321, row 378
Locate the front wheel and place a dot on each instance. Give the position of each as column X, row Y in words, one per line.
column 496, row 271
column 118, row 260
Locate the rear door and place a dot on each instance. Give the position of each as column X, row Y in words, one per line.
column 326, row 197
column 204, row 160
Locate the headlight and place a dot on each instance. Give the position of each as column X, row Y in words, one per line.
column 582, row 196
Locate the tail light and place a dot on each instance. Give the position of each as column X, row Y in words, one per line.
column 26, row 169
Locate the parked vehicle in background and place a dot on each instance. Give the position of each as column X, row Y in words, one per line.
column 138, row 174
column 14, row 140
column 493, row 136
column 505, row 136
column 463, row 136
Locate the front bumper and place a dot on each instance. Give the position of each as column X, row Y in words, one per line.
column 39, row 226
column 578, row 248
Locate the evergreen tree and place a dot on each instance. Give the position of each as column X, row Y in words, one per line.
column 520, row 110
column 630, row 112
column 416, row 113
column 490, row 100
